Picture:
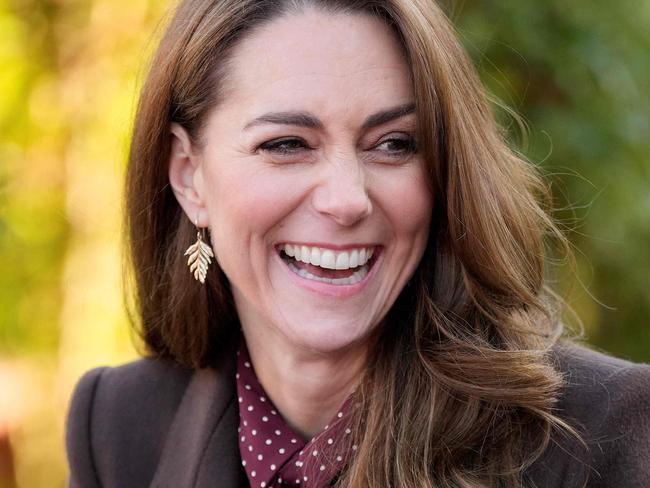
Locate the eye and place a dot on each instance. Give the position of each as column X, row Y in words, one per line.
column 398, row 146
column 284, row 146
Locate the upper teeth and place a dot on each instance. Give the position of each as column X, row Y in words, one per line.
column 326, row 258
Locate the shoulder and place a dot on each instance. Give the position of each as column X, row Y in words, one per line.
column 601, row 388
column 119, row 414
column 607, row 400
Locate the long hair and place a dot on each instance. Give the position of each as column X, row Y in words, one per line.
column 459, row 390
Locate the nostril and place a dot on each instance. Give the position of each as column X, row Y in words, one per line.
column 345, row 206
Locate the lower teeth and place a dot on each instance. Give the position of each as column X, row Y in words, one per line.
column 356, row 277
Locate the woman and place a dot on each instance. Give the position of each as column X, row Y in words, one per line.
column 365, row 304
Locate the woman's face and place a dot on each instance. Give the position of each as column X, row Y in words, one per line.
column 316, row 200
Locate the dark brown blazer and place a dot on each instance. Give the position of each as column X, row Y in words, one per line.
column 153, row 423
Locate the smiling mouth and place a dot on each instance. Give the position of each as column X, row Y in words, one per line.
column 327, row 266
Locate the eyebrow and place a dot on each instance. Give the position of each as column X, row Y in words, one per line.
column 306, row 119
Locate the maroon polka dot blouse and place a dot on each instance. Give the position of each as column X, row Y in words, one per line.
column 272, row 453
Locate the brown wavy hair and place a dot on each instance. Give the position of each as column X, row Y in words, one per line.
column 459, row 390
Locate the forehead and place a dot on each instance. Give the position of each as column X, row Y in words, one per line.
column 319, row 59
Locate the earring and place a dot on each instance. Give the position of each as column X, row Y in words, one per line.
column 200, row 254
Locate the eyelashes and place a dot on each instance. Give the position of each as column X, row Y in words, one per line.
column 395, row 147
column 284, row 146
column 402, row 145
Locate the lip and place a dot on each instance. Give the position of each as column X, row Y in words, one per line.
column 328, row 289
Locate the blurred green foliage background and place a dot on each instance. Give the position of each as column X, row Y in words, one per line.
column 578, row 72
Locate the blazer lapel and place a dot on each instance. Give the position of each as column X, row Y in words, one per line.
column 201, row 448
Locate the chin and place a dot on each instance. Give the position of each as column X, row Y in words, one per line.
column 328, row 336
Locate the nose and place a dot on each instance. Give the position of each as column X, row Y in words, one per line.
column 342, row 194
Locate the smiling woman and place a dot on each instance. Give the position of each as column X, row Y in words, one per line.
column 323, row 176
column 377, row 314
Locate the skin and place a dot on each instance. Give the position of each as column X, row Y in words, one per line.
column 340, row 184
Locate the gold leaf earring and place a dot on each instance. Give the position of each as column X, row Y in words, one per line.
column 200, row 254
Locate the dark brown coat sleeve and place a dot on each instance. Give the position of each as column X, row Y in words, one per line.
column 620, row 450
column 118, row 420
column 83, row 473
column 608, row 401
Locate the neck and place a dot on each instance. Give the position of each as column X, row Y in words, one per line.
column 307, row 387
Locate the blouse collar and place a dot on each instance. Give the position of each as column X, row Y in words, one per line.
column 275, row 455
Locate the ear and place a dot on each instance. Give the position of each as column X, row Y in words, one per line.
column 185, row 175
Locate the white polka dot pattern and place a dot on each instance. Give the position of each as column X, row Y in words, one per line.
column 272, row 453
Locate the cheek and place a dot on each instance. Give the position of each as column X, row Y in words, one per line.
column 406, row 199
column 244, row 204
